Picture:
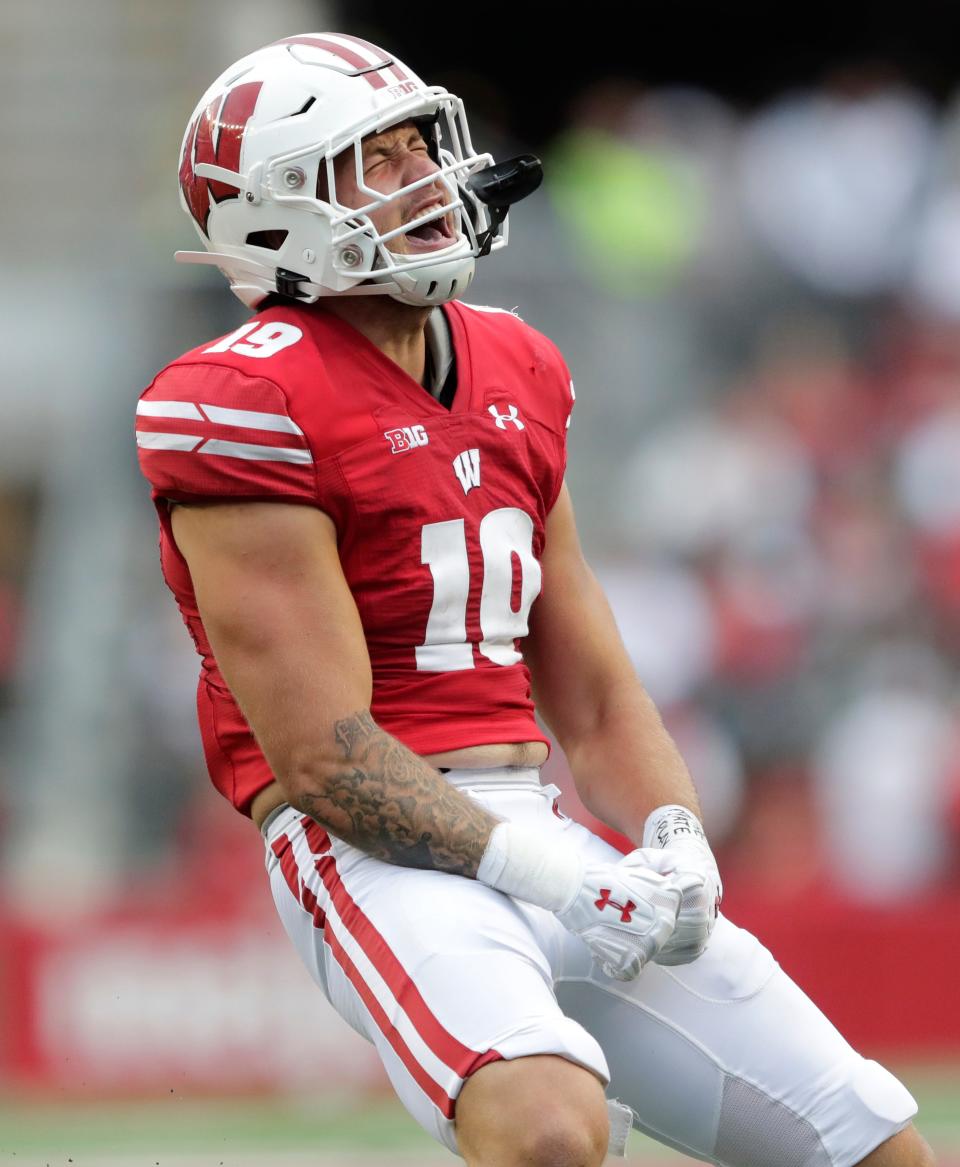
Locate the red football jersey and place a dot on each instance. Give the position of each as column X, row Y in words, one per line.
column 439, row 513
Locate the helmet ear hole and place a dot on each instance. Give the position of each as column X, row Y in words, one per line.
column 271, row 240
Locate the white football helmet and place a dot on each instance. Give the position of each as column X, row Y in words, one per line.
column 259, row 151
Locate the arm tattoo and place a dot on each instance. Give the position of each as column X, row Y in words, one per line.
column 387, row 801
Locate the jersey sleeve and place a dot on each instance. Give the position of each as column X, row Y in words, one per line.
column 558, row 402
column 211, row 431
column 565, row 396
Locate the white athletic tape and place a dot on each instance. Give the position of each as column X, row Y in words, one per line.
column 671, row 826
column 523, row 863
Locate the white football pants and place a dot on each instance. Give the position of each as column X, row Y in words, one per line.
column 724, row 1059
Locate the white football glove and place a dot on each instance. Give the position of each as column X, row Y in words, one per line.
column 675, row 845
column 625, row 912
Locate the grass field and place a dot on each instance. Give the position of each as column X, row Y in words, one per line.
column 179, row 1132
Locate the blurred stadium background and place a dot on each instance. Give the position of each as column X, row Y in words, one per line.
column 748, row 247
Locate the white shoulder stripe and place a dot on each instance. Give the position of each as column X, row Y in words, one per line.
column 256, row 453
column 150, row 441
column 251, row 420
column 169, row 409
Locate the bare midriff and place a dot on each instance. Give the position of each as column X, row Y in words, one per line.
column 488, row 757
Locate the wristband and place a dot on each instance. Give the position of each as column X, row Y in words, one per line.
column 522, row 863
column 671, row 826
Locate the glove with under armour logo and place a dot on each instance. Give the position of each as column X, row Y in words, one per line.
column 625, row 912
column 675, row 845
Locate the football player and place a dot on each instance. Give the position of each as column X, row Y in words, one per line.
column 365, row 525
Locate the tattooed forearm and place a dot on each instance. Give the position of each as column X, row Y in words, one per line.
column 387, row 801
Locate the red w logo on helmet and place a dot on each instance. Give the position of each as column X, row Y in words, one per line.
column 215, row 137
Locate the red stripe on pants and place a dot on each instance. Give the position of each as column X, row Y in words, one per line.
column 309, row 901
column 437, row 1095
column 317, row 837
column 460, row 1058
column 446, row 1047
column 283, row 849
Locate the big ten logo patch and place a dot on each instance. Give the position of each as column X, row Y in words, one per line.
column 406, row 437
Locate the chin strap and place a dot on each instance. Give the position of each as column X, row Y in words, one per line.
column 288, row 283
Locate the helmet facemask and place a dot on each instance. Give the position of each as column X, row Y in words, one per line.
column 366, row 256
column 327, row 247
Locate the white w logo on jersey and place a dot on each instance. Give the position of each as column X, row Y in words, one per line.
column 466, row 466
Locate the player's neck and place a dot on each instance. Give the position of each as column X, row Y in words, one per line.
column 396, row 329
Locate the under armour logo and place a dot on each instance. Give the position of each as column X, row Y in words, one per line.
column 466, row 466
column 626, row 910
column 512, row 414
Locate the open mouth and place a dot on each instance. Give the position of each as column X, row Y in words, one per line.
column 437, row 233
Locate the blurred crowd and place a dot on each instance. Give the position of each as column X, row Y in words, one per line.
column 761, row 310
column 778, row 515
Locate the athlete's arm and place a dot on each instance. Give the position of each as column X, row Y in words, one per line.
column 287, row 636
column 625, row 765
column 623, row 761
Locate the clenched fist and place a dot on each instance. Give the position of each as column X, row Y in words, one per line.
column 625, row 912
column 676, row 846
